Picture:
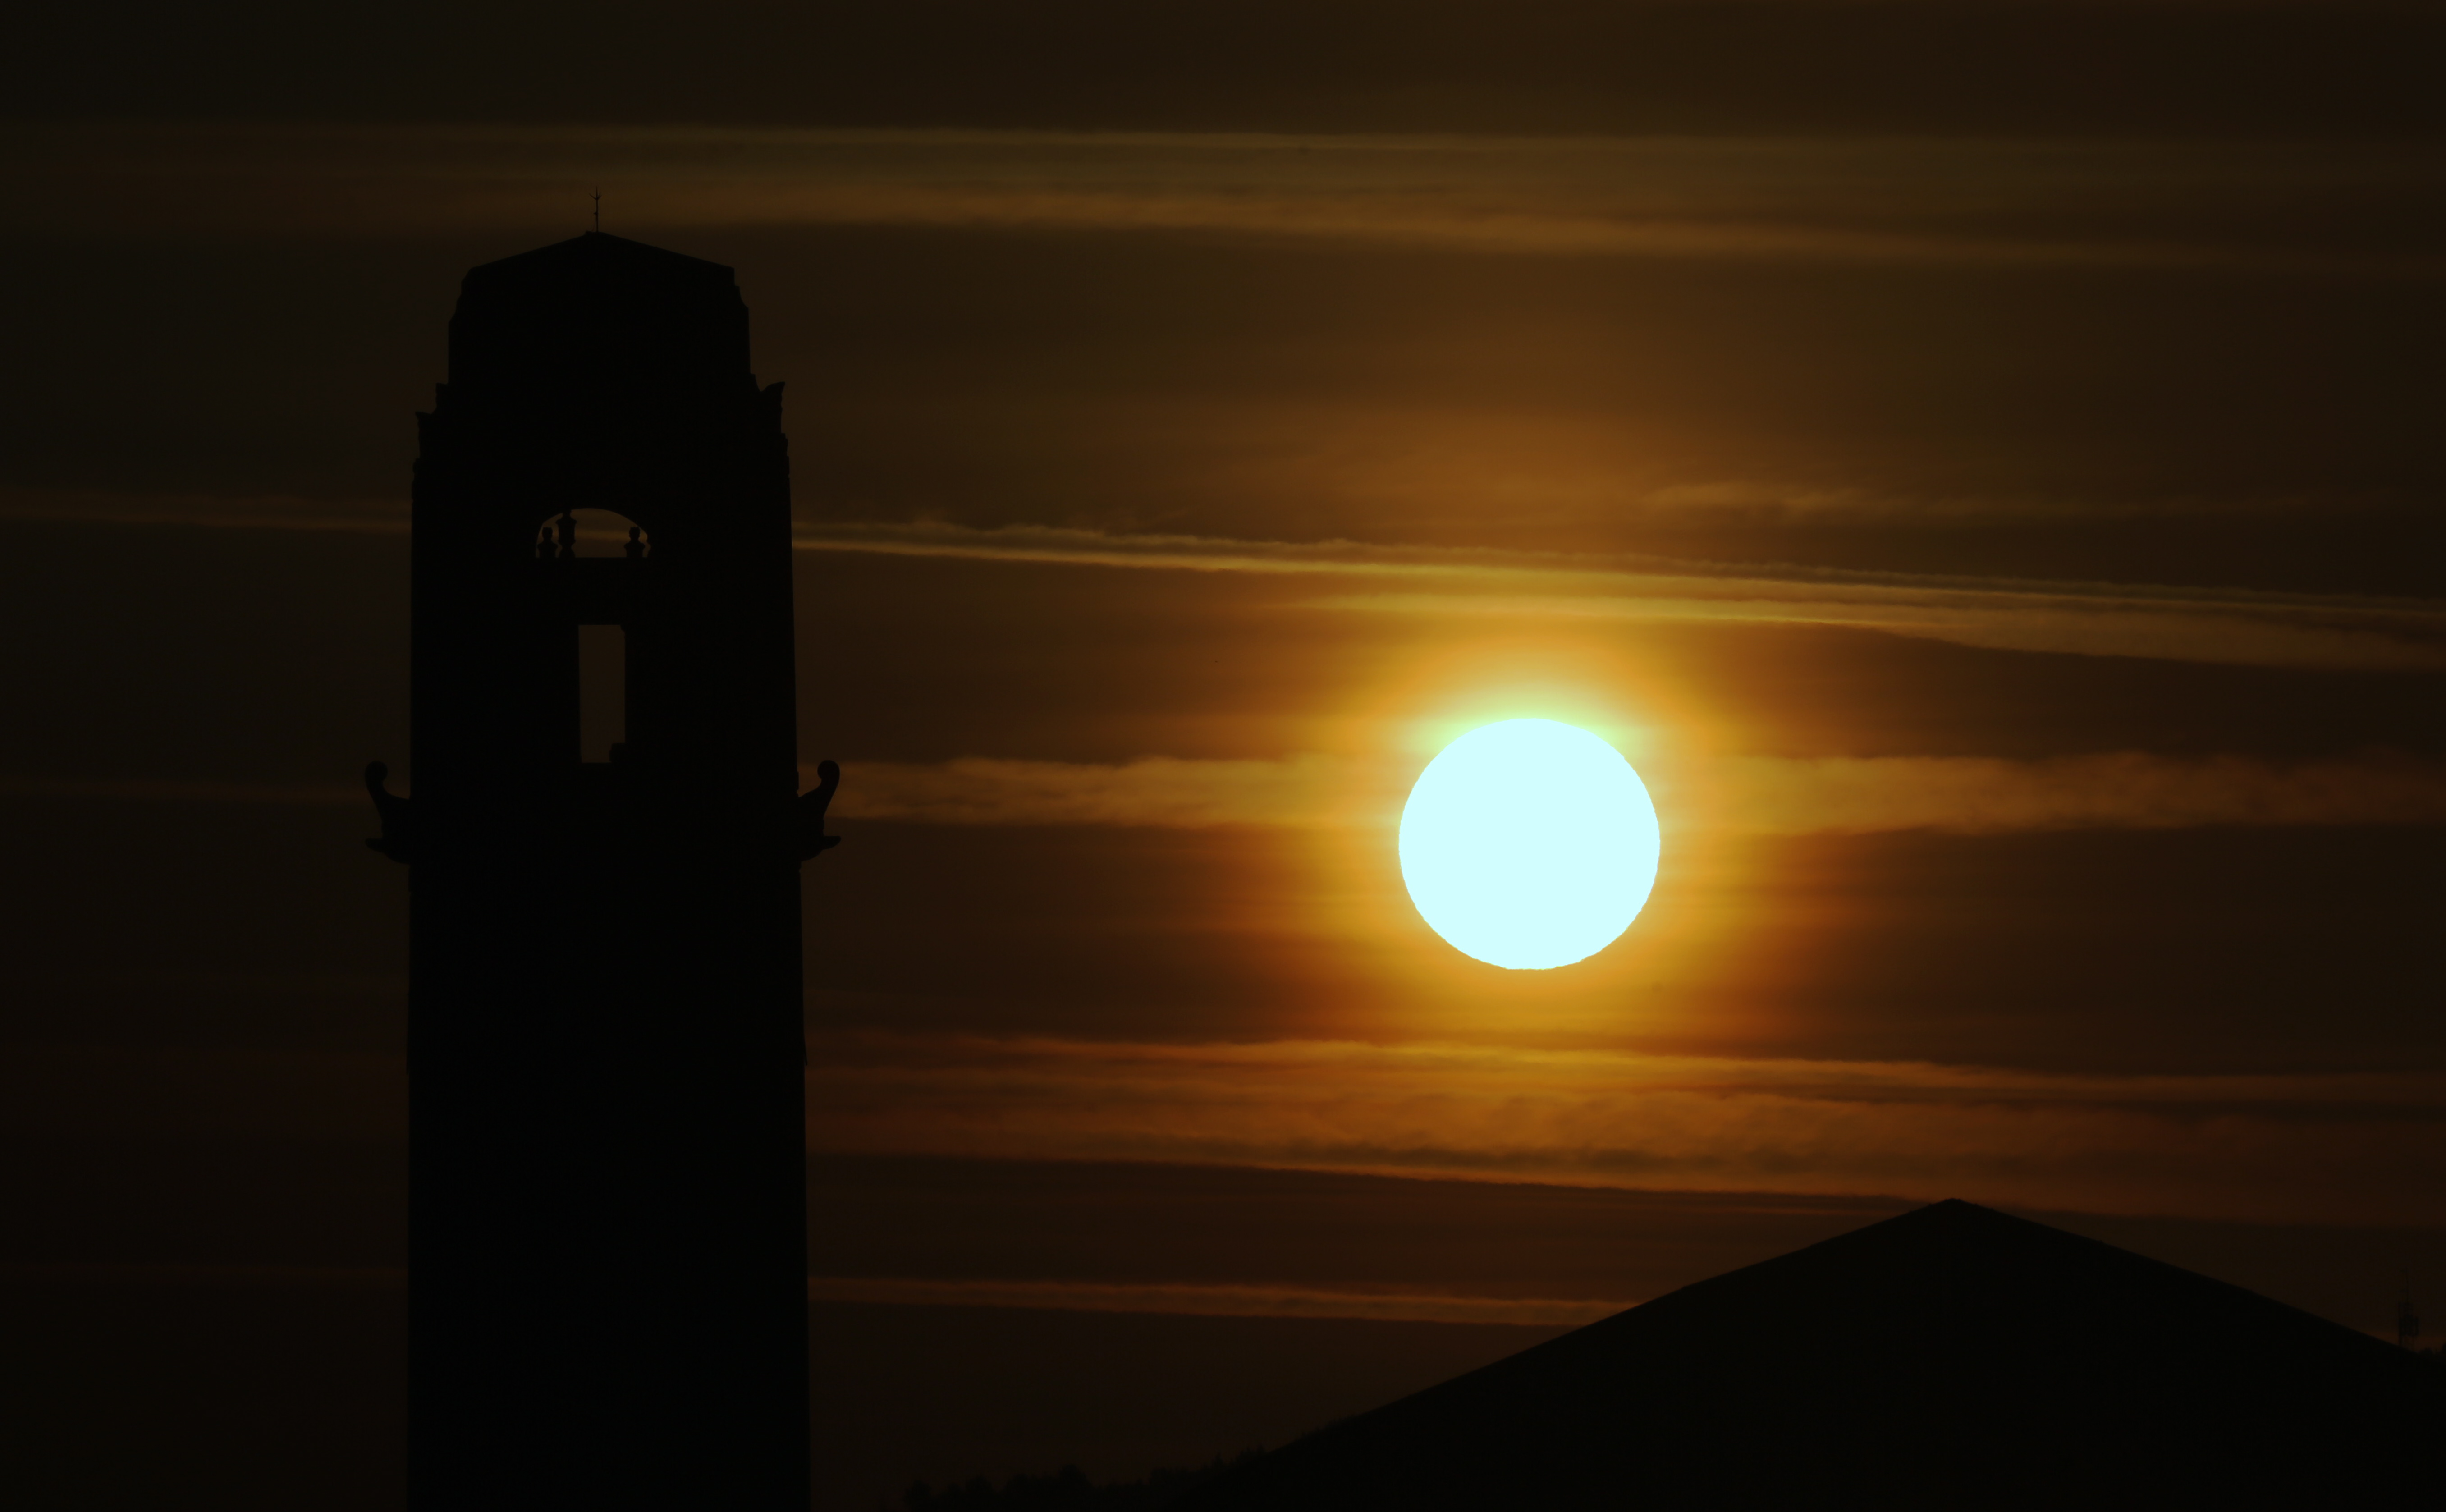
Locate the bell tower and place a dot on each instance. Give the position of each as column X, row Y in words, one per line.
column 607, row 1252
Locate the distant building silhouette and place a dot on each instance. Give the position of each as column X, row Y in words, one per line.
column 1875, row 1371
column 608, row 1303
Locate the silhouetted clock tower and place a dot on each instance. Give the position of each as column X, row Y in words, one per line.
column 608, row 1266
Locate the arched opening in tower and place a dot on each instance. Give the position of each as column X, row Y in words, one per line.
column 591, row 533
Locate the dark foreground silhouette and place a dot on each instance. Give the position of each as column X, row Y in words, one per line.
column 1951, row 1357
column 1069, row 1491
column 608, row 1279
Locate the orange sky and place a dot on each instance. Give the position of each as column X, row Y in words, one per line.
column 2001, row 530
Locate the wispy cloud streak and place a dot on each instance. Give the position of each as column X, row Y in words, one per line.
column 1753, row 794
column 181, row 790
column 2118, row 790
column 2229, row 626
column 1881, row 201
column 2345, row 1147
column 203, row 511
column 1761, row 795
column 1158, row 792
column 2211, row 625
column 1181, row 1298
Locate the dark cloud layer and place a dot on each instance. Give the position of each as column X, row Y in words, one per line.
column 2184, row 425
column 1560, row 65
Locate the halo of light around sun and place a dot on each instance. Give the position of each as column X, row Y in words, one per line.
column 1528, row 844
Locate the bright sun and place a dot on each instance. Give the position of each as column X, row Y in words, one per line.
column 1528, row 844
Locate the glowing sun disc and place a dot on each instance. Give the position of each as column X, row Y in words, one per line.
column 1528, row 844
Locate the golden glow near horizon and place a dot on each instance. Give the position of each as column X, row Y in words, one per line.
column 1528, row 844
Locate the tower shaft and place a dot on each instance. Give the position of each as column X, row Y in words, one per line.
column 607, row 1267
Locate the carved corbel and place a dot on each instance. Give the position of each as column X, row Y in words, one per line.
column 809, row 827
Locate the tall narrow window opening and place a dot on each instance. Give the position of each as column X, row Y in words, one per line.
column 602, row 691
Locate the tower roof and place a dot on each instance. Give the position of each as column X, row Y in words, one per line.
column 599, row 318
column 1952, row 1356
column 600, row 254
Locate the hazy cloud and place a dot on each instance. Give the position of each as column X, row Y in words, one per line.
column 1212, row 1302
column 1163, row 792
column 1860, row 200
column 206, row 510
column 157, row 1090
column 2209, row 625
column 1964, row 68
column 2121, row 790
column 2079, row 624
column 1755, row 794
column 1767, row 795
column 2364, row 1147
column 2228, row 626
column 173, row 790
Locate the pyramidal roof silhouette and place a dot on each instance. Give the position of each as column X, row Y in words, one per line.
column 1950, row 1357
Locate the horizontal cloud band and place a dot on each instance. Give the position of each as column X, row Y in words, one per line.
column 1758, row 795
column 2223, row 626
column 2154, row 621
column 1753, row 794
column 1879, row 200
column 2316, row 1148
column 1210, row 1301
column 1188, row 1299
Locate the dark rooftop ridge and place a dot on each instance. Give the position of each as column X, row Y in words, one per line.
column 600, row 250
column 1953, row 1356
